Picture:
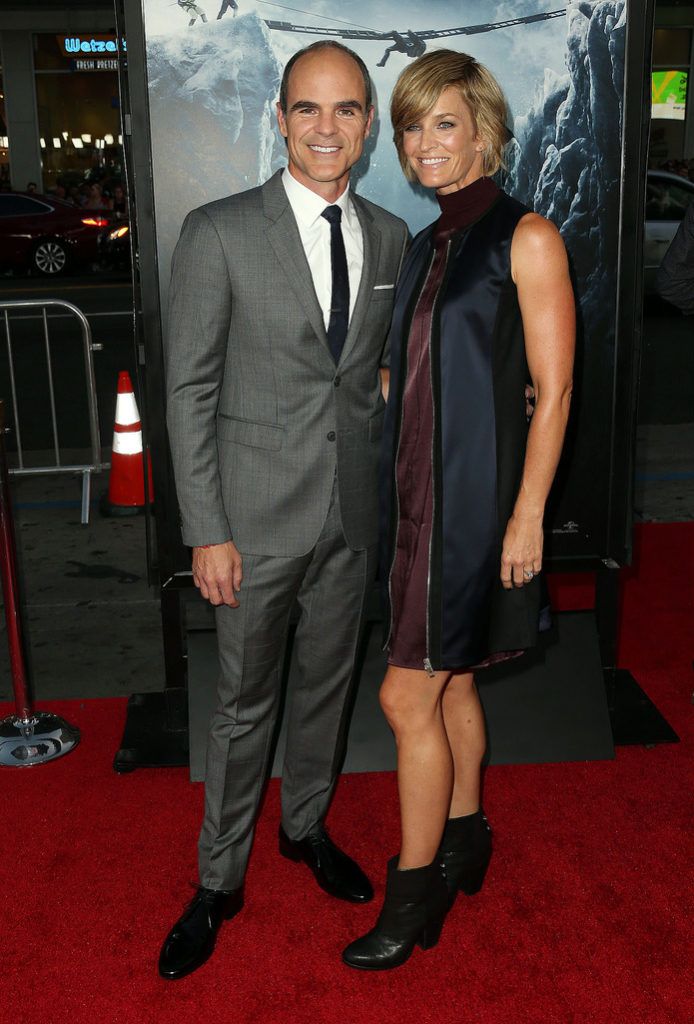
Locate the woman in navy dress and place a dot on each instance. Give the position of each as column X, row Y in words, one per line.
column 484, row 306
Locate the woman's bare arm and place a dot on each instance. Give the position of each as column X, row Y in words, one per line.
column 541, row 273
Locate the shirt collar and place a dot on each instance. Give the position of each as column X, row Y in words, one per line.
column 307, row 206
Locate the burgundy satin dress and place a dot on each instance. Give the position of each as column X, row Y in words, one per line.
column 409, row 577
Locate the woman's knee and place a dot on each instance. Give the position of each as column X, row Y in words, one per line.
column 404, row 706
column 391, row 700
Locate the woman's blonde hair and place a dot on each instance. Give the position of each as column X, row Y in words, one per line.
column 420, row 85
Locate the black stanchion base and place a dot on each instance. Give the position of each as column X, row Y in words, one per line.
column 634, row 717
column 36, row 739
column 156, row 732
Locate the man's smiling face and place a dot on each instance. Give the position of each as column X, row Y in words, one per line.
column 326, row 121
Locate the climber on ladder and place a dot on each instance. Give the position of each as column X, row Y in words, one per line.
column 193, row 9
column 410, row 44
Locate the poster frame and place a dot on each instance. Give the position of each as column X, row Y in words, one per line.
column 166, row 554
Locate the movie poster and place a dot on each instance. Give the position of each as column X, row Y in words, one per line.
column 214, row 68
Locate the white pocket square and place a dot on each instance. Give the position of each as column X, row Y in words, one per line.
column 382, row 287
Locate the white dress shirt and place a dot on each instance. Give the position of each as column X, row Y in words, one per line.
column 307, row 208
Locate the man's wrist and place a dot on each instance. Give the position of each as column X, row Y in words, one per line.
column 214, row 544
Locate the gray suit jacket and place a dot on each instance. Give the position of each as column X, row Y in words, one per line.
column 259, row 417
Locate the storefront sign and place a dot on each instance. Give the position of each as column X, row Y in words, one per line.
column 94, row 65
column 99, row 46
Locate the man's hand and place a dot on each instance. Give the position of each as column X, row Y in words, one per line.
column 218, row 573
column 385, row 382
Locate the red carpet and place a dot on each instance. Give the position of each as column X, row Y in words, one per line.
column 586, row 914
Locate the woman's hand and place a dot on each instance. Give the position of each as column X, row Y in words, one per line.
column 521, row 552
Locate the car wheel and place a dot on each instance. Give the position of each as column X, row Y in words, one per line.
column 50, row 257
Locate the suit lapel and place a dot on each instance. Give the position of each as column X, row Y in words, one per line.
column 283, row 235
column 372, row 245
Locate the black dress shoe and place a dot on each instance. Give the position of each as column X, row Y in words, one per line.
column 412, row 915
column 191, row 940
column 336, row 873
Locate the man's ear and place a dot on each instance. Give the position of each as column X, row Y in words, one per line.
column 369, row 120
column 281, row 120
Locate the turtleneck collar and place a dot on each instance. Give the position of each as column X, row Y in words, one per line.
column 460, row 208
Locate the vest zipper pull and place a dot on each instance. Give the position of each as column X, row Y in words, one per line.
column 427, row 668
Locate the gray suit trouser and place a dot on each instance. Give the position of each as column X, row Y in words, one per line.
column 330, row 584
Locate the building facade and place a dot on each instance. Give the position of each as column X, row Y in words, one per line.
column 59, row 97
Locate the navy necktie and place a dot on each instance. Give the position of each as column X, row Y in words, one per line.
column 339, row 296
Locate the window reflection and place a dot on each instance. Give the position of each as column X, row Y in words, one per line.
column 4, row 141
column 78, row 112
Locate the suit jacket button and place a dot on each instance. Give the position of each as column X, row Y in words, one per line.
column 332, row 435
column 337, row 382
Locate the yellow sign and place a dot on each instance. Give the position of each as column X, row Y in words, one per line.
column 669, row 94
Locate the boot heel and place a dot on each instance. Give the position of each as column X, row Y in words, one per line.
column 431, row 933
column 471, row 879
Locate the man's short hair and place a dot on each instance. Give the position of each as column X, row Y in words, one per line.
column 326, row 44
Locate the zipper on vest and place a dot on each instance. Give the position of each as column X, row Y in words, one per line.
column 395, row 481
column 427, row 660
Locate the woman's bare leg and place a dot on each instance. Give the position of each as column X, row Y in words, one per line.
column 463, row 719
column 411, row 701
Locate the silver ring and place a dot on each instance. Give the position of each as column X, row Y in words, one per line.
column 528, row 573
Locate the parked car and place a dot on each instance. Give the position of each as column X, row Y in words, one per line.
column 46, row 235
column 667, row 197
column 114, row 245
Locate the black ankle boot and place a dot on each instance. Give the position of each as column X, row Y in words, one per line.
column 465, row 852
column 413, row 912
column 191, row 940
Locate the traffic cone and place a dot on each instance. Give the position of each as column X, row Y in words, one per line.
column 126, row 483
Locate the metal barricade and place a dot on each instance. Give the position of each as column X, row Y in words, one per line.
column 89, row 347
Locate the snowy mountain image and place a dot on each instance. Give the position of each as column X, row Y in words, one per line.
column 565, row 161
column 214, row 84
column 213, row 89
column 212, row 95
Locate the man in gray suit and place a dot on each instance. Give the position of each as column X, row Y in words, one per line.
column 280, row 305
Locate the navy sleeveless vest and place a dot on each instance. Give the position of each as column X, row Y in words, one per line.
column 479, row 373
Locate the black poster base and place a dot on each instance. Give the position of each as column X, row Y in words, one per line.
column 634, row 718
column 156, row 731
column 547, row 707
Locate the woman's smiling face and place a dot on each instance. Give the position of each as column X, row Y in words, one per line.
column 443, row 147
